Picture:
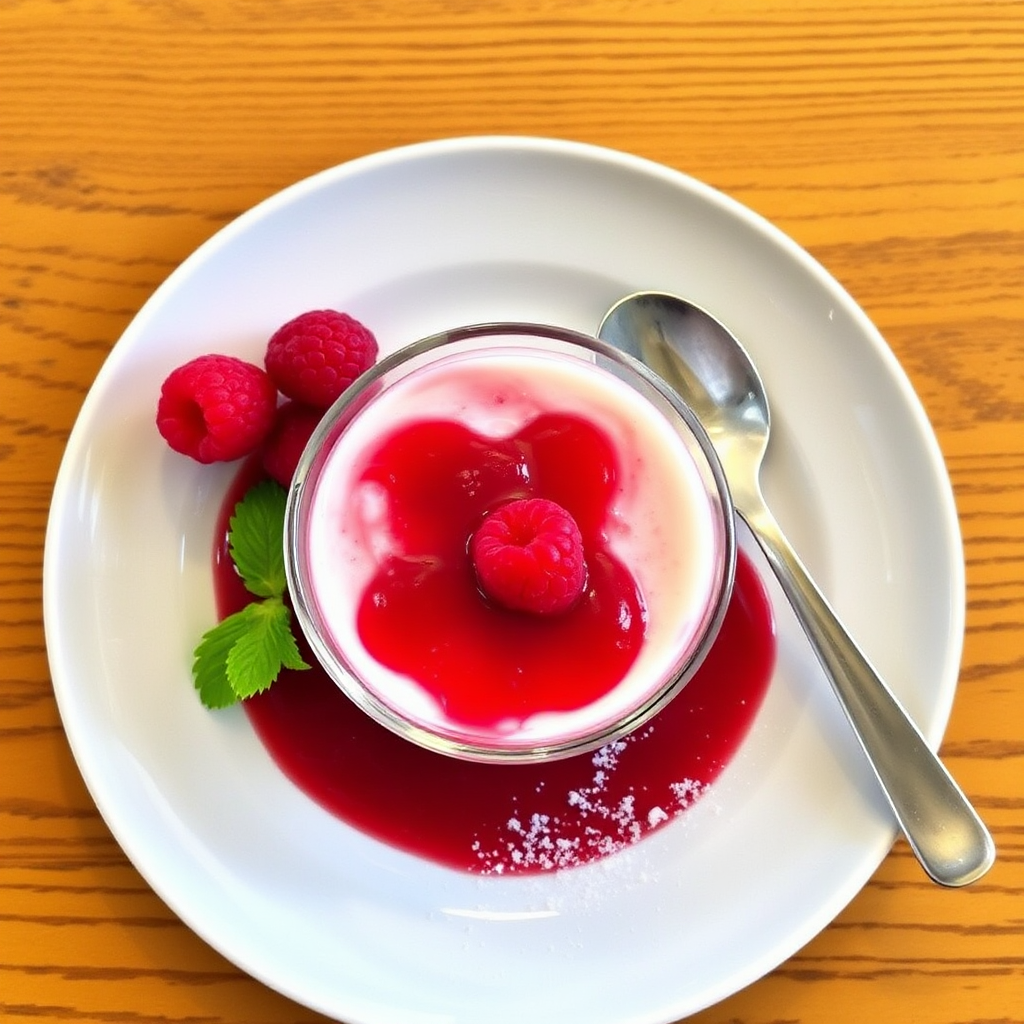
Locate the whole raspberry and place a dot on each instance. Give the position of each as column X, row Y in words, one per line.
column 528, row 556
column 292, row 429
column 216, row 408
column 314, row 357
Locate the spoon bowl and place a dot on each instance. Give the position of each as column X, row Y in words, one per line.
column 695, row 354
column 699, row 357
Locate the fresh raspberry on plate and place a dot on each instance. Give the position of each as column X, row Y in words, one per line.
column 528, row 556
column 216, row 408
column 314, row 357
column 292, row 429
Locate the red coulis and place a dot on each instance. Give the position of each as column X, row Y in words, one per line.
column 423, row 614
column 513, row 818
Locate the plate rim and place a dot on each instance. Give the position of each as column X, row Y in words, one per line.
column 539, row 147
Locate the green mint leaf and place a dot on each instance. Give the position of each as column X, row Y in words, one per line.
column 290, row 657
column 245, row 653
column 256, row 539
column 210, row 667
column 265, row 647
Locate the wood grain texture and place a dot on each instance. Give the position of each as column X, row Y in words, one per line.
column 887, row 138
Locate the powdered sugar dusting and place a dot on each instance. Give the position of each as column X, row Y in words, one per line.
column 596, row 820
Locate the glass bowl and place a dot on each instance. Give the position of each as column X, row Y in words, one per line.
column 426, row 444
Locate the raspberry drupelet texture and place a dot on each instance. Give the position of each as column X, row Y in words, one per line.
column 216, row 408
column 292, row 430
column 528, row 556
column 314, row 357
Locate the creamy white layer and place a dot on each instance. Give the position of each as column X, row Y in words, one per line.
column 662, row 525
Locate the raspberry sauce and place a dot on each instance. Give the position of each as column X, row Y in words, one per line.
column 496, row 818
column 423, row 614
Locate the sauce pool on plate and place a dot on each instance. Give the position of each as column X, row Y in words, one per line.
column 505, row 818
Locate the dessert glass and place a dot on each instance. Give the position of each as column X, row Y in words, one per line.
column 530, row 348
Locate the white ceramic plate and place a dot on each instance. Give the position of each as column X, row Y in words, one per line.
column 413, row 241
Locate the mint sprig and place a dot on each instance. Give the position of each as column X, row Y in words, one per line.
column 243, row 654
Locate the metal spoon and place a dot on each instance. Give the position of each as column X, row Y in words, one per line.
column 694, row 353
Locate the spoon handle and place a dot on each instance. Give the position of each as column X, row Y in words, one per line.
column 943, row 829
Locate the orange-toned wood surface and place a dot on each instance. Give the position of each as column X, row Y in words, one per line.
column 886, row 137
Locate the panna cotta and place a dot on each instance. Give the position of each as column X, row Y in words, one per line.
column 407, row 465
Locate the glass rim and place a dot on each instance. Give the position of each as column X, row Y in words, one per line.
column 302, row 492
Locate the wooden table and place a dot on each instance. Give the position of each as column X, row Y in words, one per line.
column 887, row 138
